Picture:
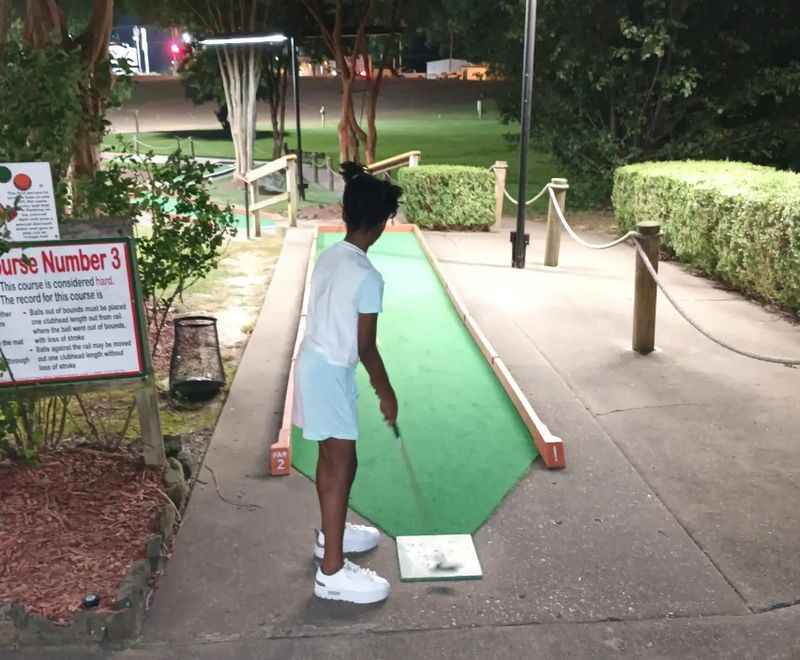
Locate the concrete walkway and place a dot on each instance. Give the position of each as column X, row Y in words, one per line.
column 673, row 533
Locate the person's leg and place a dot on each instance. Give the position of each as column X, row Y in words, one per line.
column 336, row 470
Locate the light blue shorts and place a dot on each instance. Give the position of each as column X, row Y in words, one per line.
column 325, row 398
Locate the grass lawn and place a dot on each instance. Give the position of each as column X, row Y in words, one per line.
column 456, row 138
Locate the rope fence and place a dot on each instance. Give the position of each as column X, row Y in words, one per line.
column 502, row 166
column 646, row 240
column 530, row 201
column 149, row 147
column 578, row 239
column 788, row 362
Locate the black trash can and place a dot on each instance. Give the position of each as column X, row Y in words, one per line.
column 196, row 372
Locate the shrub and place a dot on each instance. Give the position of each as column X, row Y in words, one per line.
column 41, row 109
column 448, row 196
column 188, row 233
column 735, row 221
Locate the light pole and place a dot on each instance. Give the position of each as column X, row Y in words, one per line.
column 260, row 39
column 296, row 92
column 519, row 238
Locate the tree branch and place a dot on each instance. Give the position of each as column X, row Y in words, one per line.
column 327, row 36
column 98, row 33
column 43, row 19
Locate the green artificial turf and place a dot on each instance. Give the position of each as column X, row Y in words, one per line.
column 456, row 138
column 466, row 441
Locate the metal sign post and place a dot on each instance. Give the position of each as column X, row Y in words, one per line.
column 296, row 91
column 519, row 238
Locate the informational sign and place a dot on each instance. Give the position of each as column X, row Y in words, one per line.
column 30, row 187
column 69, row 312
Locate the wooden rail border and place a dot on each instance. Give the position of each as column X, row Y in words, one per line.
column 549, row 446
column 280, row 452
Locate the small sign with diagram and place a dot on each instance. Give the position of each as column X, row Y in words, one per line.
column 26, row 192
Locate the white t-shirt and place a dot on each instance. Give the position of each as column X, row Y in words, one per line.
column 344, row 285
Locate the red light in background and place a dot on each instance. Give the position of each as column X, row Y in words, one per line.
column 177, row 52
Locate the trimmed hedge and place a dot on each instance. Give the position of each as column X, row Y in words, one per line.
column 448, row 196
column 734, row 221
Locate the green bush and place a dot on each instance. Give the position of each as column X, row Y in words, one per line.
column 448, row 196
column 41, row 109
column 734, row 221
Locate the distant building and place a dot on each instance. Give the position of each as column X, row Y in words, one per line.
column 475, row 72
column 313, row 68
column 449, row 68
column 148, row 49
column 460, row 69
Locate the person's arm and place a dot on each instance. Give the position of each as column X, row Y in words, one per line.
column 371, row 359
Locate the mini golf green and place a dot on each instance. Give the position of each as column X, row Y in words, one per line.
column 241, row 227
column 466, row 441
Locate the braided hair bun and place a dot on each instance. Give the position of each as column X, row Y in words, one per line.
column 368, row 202
column 351, row 171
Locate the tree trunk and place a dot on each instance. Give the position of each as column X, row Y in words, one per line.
column 44, row 24
column 344, row 121
column 372, row 132
column 96, row 90
column 277, row 135
column 241, row 72
column 5, row 20
column 351, row 135
column 357, row 134
column 376, row 84
column 277, row 106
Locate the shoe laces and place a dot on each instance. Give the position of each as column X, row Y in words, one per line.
column 355, row 568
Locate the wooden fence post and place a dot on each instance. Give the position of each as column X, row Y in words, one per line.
column 553, row 239
column 256, row 197
column 644, row 306
column 137, row 148
column 500, row 173
column 315, row 162
column 329, row 167
column 246, row 205
column 291, row 188
column 150, row 423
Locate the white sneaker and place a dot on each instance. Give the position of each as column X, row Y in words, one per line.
column 357, row 538
column 352, row 584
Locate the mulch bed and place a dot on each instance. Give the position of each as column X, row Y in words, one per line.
column 71, row 526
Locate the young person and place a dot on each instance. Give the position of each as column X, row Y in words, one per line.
column 346, row 298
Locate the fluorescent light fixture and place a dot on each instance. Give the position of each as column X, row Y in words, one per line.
column 246, row 40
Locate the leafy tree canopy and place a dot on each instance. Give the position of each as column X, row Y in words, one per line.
column 619, row 81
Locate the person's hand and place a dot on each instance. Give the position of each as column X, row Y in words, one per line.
column 389, row 407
